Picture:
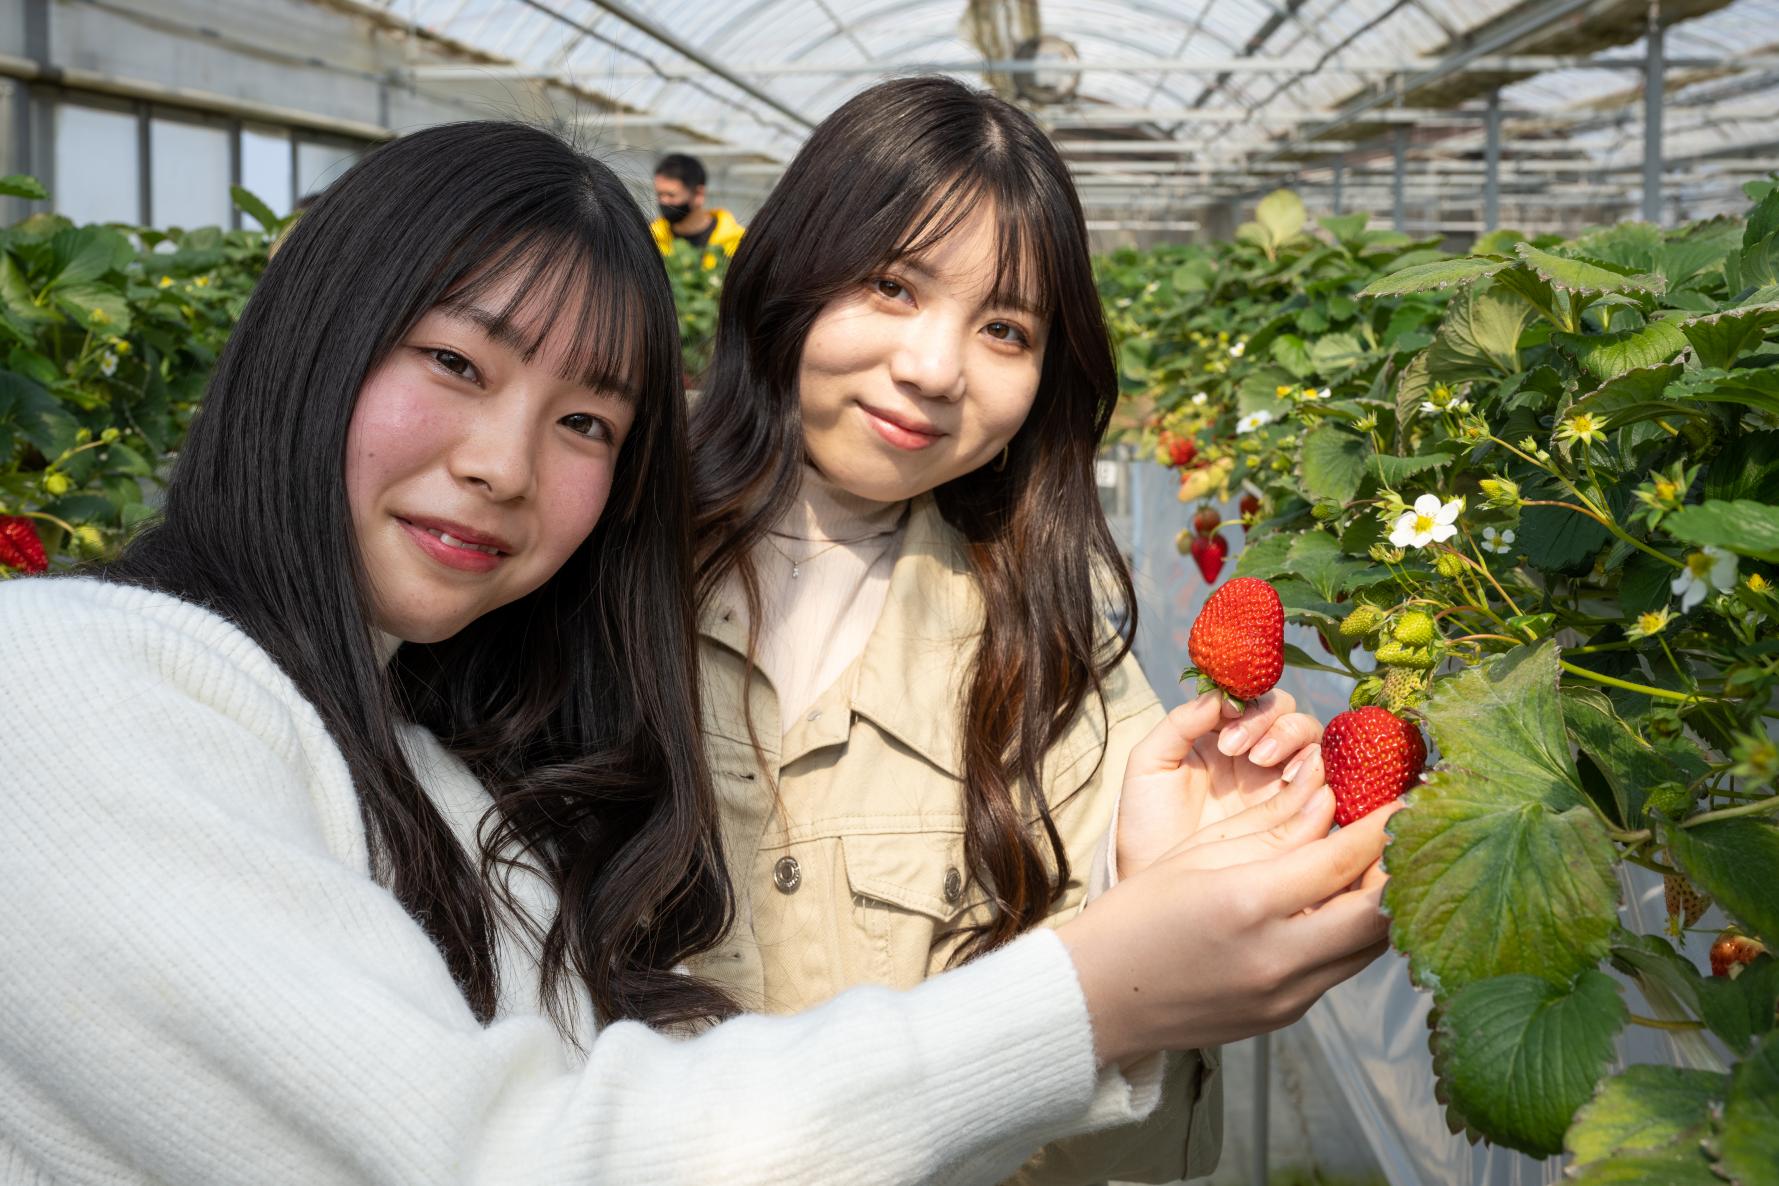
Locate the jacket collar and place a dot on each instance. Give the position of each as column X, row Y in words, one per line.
column 911, row 674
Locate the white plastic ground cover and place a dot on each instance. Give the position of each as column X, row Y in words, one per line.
column 1373, row 1029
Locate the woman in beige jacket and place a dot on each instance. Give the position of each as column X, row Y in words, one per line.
column 918, row 713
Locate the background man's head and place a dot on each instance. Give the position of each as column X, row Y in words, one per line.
column 679, row 186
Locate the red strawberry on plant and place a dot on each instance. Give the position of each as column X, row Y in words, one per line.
column 1250, row 506
column 1733, row 950
column 1209, row 552
column 1238, row 641
column 1371, row 756
column 1206, row 521
column 1181, row 451
column 19, row 546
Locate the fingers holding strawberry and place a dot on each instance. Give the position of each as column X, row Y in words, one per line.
column 1238, row 640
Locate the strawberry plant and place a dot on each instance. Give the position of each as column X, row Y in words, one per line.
column 697, row 280
column 1529, row 498
column 107, row 336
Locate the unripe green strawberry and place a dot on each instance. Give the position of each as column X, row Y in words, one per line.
column 1416, row 628
column 1393, row 653
column 1371, row 757
column 1670, row 799
column 1448, row 566
column 1238, row 640
column 1402, row 690
column 1364, row 620
column 1366, row 691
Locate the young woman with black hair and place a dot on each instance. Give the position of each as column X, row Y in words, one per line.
column 918, row 714
column 357, row 823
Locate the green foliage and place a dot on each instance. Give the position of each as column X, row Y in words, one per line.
column 697, row 279
column 107, row 336
column 1568, row 455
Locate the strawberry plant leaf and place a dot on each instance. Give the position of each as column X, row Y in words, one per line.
column 1331, row 463
column 1607, row 356
column 1748, row 1144
column 1584, row 276
column 1744, row 527
column 1518, row 1055
column 1439, row 274
column 1264, row 558
column 1317, row 558
column 1719, row 339
column 1736, row 861
column 22, row 185
column 1480, row 334
column 1630, row 763
column 1748, row 467
column 1643, row 1109
column 1499, row 864
column 1680, row 1164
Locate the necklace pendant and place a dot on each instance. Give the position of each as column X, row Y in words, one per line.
column 796, row 571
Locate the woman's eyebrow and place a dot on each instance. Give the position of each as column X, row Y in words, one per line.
column 998, row 299
column 503, row 331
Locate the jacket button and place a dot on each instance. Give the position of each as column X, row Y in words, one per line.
column 787, row 875
column 954, row 885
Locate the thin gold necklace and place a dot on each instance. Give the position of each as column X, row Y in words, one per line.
column 797, row 565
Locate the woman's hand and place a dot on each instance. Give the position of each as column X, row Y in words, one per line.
column 1237, row 931
column 1205, row 763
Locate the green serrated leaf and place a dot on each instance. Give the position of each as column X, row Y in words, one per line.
column 1631, row 764
column 1643, row 1109
column 1748, row 1144
column 1719, row 339
column 1289, row 351
column 1316, row 557
column 248, row 203
column 1585, row 276
column 39, row 416
column 1332, row 463
column 1763, row 220
column 1411, row 390
column 96, row 307
column 1480, row 334
column 1281, row 215
column 1747, row 467
column 1264, row 558
column 1498, row 865
column 1680, row 1164
column 1558, row 540
column 1744, row 527
column 1296, row 656
column 22, row 185
column 1736, row 861
column 1753, row 266
column 1303, row 603
column 1334, row 353
column 1393, row 471
column 1607, row 356
column 1438, row 274
column 1519, row 1055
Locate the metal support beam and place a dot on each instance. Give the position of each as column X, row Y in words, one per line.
column 1398, row 204
column 1340, row 166
column 1492, row 161
column 1653, row 76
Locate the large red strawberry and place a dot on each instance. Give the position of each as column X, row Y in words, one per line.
column 1208, row 552
column 1238, row 641
column 19, row 546
column 1181, row 451
column 1731, row 951
column 1371, row 756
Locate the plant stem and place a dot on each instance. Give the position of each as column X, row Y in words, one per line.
column 1634, row 838
column 1658, row 1024
column 1608, row 524
column 1611, row 681
column 1652, row 866
column 1768, row 804
column 1496, row 637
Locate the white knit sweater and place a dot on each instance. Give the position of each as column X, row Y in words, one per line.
column 200, row 982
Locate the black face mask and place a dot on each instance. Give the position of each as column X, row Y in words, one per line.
column 674, row 213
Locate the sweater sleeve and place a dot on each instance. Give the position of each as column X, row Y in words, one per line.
column 1175, row 1130
column 203, row 984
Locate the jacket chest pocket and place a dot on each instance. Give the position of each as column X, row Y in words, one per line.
column 911, row 893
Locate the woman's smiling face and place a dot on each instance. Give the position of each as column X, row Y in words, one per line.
column 472, row 471
column 922, row 374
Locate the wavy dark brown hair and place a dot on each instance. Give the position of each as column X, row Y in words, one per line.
column 885, row 177
column 577, row 704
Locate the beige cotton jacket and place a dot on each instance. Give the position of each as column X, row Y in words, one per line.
column 857, row 874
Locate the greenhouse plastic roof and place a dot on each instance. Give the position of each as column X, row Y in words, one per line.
column 1180, row 101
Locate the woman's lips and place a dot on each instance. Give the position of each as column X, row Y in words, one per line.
column 897, row 431
column 476, row 553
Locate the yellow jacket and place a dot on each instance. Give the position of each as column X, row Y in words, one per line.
column 724, row 237
column 856, row 874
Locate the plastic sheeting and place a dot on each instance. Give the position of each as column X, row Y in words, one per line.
column 1373, row 1029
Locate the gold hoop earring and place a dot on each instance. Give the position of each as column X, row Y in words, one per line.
column 1001, row 461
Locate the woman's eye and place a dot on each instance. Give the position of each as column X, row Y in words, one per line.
column 454, row 362
column 588, row 426
column 895, row 290
column 1006, row 331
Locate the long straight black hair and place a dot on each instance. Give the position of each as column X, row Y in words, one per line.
column 577, row 704
column 889, row 174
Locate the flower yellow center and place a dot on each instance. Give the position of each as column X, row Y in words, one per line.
column 1759, row 583
column 1699, row 565
column 1424, row 524
column 1666, row 490
column 1651, row 623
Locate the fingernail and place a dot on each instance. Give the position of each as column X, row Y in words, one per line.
column 1297, row 764
column 1317, row 802
column 1232, row 740
column 1265, row 752
column 1205, row 697
column 1231, row 709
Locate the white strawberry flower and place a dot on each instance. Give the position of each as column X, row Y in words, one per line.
column 1239, row 349
column 1253, row 420
column 1707, row 569
column 1199, row 397
column 1428, row 522
column 108, row 364
column 1500, row 542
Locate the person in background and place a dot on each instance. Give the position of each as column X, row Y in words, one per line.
column 679, row 192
